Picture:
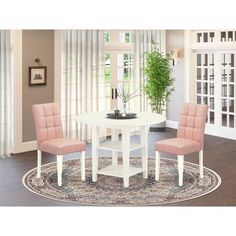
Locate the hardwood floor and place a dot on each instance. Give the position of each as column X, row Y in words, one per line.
column 219, row 155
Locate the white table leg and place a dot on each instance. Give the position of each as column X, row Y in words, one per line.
column 59, row 169
column 201, row 163
column 126, row 153
column 157, row 175
column 95, row 143
column 180, row 168
column 82, row 165
column 114, row 138
column 39, row 163
column 144, row 141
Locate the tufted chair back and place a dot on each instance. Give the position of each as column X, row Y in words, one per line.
column 47, row 121
column 192, row 122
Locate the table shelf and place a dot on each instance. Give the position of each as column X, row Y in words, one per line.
column 142, row 122
column 117, row 146
column 117, row 171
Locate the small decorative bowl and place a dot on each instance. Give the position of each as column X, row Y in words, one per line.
column 116, row 112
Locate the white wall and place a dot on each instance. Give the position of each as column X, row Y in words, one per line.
column 175, row 40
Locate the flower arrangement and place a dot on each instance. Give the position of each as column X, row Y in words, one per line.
column 124, row 94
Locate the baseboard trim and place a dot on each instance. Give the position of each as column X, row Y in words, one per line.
column 210, row 130
column 222, row 132
column 25, row 147
column 157, row 129
column 172, row 124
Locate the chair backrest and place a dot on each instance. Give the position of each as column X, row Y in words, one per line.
column 47, row 121
column 192, row 122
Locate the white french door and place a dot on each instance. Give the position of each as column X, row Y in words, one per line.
column 215, row 86
column 119, row 67
column 212, row 81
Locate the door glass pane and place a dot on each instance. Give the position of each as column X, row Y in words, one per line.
column 224, row 105
column 205, row 60
column 224, row 90
column 205, row 76
column 224, row 120
column 232, row 60
column 107, row 78
column 212, row 35
column 126, row 37
column 205, row 88
column 212, row 117
column 125, row 67
column 108, row 96
column 106, row 37
column 199, row 87
column 212, row 74
column 199, row 100
column 212, row 89
column 231, row 75
column 211, row 58
column 107, row 90
column 205, row 37
column 223, row 36
column 199, row 36
column 107, row 67
column 212, row 103
column 223, row 60
column 231, row 121
column 231, row 105
column 108, row 104
column 199, row 74
column 224, row 76
column 199, row 61
column 230, row 36
column 205, row 100
column 231, row 90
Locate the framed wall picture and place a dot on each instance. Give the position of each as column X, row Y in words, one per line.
column 37, row 75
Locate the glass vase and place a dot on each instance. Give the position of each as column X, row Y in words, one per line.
column 124, row 109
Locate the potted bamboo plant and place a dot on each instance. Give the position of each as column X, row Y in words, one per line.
column 159, row 82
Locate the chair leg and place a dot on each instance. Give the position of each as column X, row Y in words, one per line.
column 201, row 163
column 39, row 162
column 157, row 176
column 180, row 169
column 82, row 163
column 59, row 169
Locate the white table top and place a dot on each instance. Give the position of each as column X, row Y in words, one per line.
column 99, row 119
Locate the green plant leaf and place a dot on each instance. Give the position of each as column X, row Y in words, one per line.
column 159, row 83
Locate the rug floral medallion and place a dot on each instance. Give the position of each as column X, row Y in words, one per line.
column 108, row 191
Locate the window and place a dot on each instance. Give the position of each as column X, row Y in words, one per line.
column 118, row 68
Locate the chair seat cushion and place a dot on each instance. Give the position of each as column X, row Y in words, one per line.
column 178, row 146
column 61, row 146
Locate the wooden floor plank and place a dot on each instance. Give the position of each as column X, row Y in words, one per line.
column 219, row 155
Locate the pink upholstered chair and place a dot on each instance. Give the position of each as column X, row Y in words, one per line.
column 190, row 138
column 50, row 138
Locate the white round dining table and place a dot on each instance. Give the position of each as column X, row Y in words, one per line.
column 99, row 120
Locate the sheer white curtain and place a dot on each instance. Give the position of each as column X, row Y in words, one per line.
column 5, row 94
column 83, row 88
column 143, row 43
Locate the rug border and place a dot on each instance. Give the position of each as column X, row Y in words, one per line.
column 128, row 205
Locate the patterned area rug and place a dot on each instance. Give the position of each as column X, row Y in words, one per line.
column 110, row 191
